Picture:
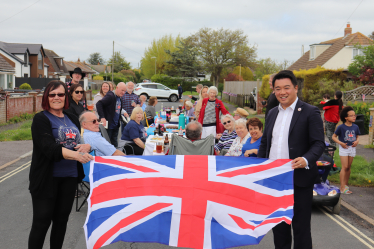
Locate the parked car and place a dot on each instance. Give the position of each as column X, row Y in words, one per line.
column 156, row 89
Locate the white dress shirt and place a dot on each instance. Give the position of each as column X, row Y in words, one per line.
column 279, row 142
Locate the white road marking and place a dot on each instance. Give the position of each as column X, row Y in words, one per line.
column 347, row 229
column 15, row 171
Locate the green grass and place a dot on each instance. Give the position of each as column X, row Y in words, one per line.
column 23, row 133
column 190, row 93
column 362, row 172
column 94, row 92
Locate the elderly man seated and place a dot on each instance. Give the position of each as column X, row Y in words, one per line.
column 92, row 136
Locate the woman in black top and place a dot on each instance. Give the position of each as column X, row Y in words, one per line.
column 56, row 166
column 76, row 94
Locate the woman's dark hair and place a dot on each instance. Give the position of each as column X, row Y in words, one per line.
column 339, row 95
column 344, row 113
column 50, row 87
column 101, row 88
column 255, row 122
column 285, row 74
column 326, row 96
column 73, row 88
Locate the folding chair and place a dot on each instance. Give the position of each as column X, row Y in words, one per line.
column 122, row 144
column 85, row 184
column 183, row 146
column 104, row 133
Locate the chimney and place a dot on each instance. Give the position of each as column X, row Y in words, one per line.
column 302, row 50
column 79, row 60
column 348, row 30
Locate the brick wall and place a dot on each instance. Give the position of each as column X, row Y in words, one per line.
column 38, row 103
column 2, row 111
column 18, row 105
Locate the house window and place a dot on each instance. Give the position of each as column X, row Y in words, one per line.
column 357, row 51
column 25, row 59
column 26, row 75
column 40, row 61
column 312, row 52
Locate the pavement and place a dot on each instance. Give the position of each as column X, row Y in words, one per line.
column 353, row 228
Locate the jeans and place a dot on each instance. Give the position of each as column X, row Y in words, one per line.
column 113, row 135
column 330, row 129
column 54, row 210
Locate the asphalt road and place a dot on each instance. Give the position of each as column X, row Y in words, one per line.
column 345, row 232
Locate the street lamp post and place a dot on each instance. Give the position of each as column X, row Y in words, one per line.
column 155, row 62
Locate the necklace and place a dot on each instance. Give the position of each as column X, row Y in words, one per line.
column 61, row 120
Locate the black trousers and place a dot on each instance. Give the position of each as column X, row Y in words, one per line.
column 55, row 210
column 300, row 223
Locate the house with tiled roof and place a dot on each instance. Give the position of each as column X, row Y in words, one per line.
column 56, row 64
column 70, row 65
column 6, row 73
column 333, row 54
column 100, row 68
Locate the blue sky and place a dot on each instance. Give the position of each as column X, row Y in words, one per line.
column 77, row 28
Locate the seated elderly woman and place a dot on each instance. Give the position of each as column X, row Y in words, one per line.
column 240, row 113
column 243, row 136
column 250, row 148
column 227, row 137
column 189, row 109
column 150, row 110
column 134, row 132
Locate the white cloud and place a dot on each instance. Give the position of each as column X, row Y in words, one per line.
column 77, row 28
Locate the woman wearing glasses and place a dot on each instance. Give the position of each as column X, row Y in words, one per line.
column 227, row 137
column 76, row 94
column 56, row 166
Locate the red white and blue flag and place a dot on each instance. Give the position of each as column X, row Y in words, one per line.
column 187, row 201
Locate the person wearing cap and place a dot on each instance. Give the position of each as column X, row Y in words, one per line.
column 76, row 76
column 240, row 113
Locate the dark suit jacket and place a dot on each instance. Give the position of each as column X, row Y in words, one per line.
column 306, row 139
column 107, row 106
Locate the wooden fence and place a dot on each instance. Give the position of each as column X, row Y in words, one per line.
column 360, row 93
column 239, row 99
column 239, row 87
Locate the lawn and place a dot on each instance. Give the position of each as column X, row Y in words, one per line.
column 23, row 133
column 190, row 93
column 362, row 172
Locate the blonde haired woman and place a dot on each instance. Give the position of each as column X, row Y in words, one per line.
column 203, row 95
column 134, row 132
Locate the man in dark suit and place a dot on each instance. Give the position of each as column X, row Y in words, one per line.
column 294, row 130
column 272, row 100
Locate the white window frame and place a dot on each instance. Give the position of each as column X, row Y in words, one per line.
column 356, row 51
column 312, row 53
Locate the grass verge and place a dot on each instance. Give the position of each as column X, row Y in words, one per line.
column 23, row 133
column 190, row 93
column 362, row 172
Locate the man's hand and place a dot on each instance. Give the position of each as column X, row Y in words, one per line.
column 126, row 114
column 103, row 120
column 355, row 143
column 298, row 163
column 85, row 148
column 133, row 104
column 190, row 96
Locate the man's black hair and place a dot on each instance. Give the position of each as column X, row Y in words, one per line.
column 344, row 113
column 285, row 74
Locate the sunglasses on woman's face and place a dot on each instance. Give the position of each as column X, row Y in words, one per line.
column 228, row 122
column 79, row 92
column 60, row 95
column 94, row 121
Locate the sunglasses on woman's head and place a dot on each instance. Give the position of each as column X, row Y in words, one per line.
column 79, row 92
column 228, row 122
column 52, row 95
column 94, row 121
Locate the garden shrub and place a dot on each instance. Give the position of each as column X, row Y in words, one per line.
column 362, row 108
column 98, row 77
column 265, row 89
column 25, row 86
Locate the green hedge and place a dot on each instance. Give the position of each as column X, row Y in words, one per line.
column 362, row 108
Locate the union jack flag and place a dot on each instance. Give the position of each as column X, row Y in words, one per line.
column 187, row 201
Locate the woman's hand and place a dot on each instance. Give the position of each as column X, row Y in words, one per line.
column 355, row 143
column 83, row 157
column 344, row 145
column 218, row 151
column 85, row 148
column 219, row 135
column 250, row 152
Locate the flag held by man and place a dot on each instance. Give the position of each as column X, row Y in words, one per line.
column 187, row 201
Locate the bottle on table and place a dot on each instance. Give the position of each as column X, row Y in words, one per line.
column 166, row 143
column 180, row 133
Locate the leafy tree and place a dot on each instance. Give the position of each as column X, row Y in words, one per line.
column 244, row 72
column 157, row 50
column 138, row 75
column 265, row 89
column 184, row 61
column 265, row 66
column 363, row 65
column 95, row 59
column 283, row 65
column 120, row 62
column 233, row 77
column 222, row 48
column 371, row 36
